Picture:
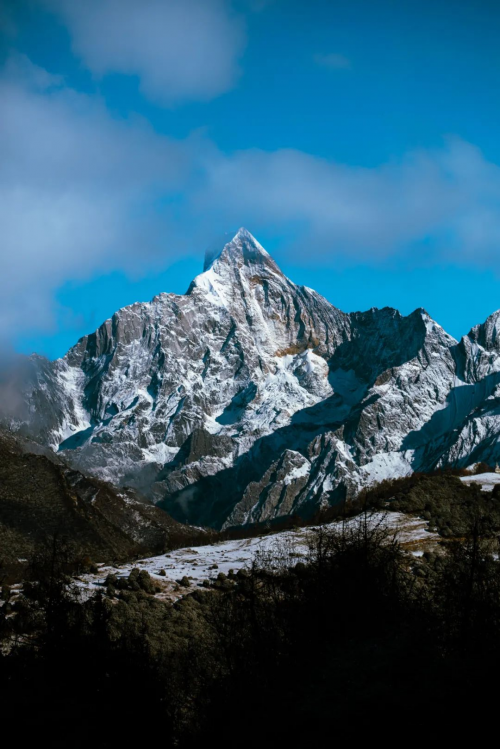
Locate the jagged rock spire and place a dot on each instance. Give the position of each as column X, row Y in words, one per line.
column 242, row 247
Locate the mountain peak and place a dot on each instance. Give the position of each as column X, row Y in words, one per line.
column 230, row 264
column 242, row 247
column 487, row 334
column 243, row 233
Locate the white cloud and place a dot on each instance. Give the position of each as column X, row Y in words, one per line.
column 83, row 193
column 449, row 195
column 333, row 61
column 77, row 191
column 181, row 50
column 19, row 68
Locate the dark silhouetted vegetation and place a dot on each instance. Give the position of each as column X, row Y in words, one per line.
column 357, row 640
column 449, row 505
column 483, row 468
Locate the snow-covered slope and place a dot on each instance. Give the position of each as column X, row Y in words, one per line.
column 487, row 481
column 207, row 562
column 250, row 397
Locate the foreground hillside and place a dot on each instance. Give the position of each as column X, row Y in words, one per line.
column 176, row 572
column 251, row 398
column 355, row 638
column 420, row 512
column 42, row 500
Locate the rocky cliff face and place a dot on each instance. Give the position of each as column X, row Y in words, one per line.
column 250, row 397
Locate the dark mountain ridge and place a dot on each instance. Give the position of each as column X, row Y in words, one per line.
column 42, row 502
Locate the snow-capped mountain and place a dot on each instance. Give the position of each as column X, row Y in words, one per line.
column 250, row 397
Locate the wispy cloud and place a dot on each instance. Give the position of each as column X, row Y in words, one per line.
column 450, row 196
column 77, row 190
column 333, row 61
column 180, row 51
column 83, row 193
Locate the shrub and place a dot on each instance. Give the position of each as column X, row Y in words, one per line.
column 483, row 467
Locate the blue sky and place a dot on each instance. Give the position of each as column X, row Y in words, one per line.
column 357, row 141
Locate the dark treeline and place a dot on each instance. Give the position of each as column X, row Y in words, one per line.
column 356, row 640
